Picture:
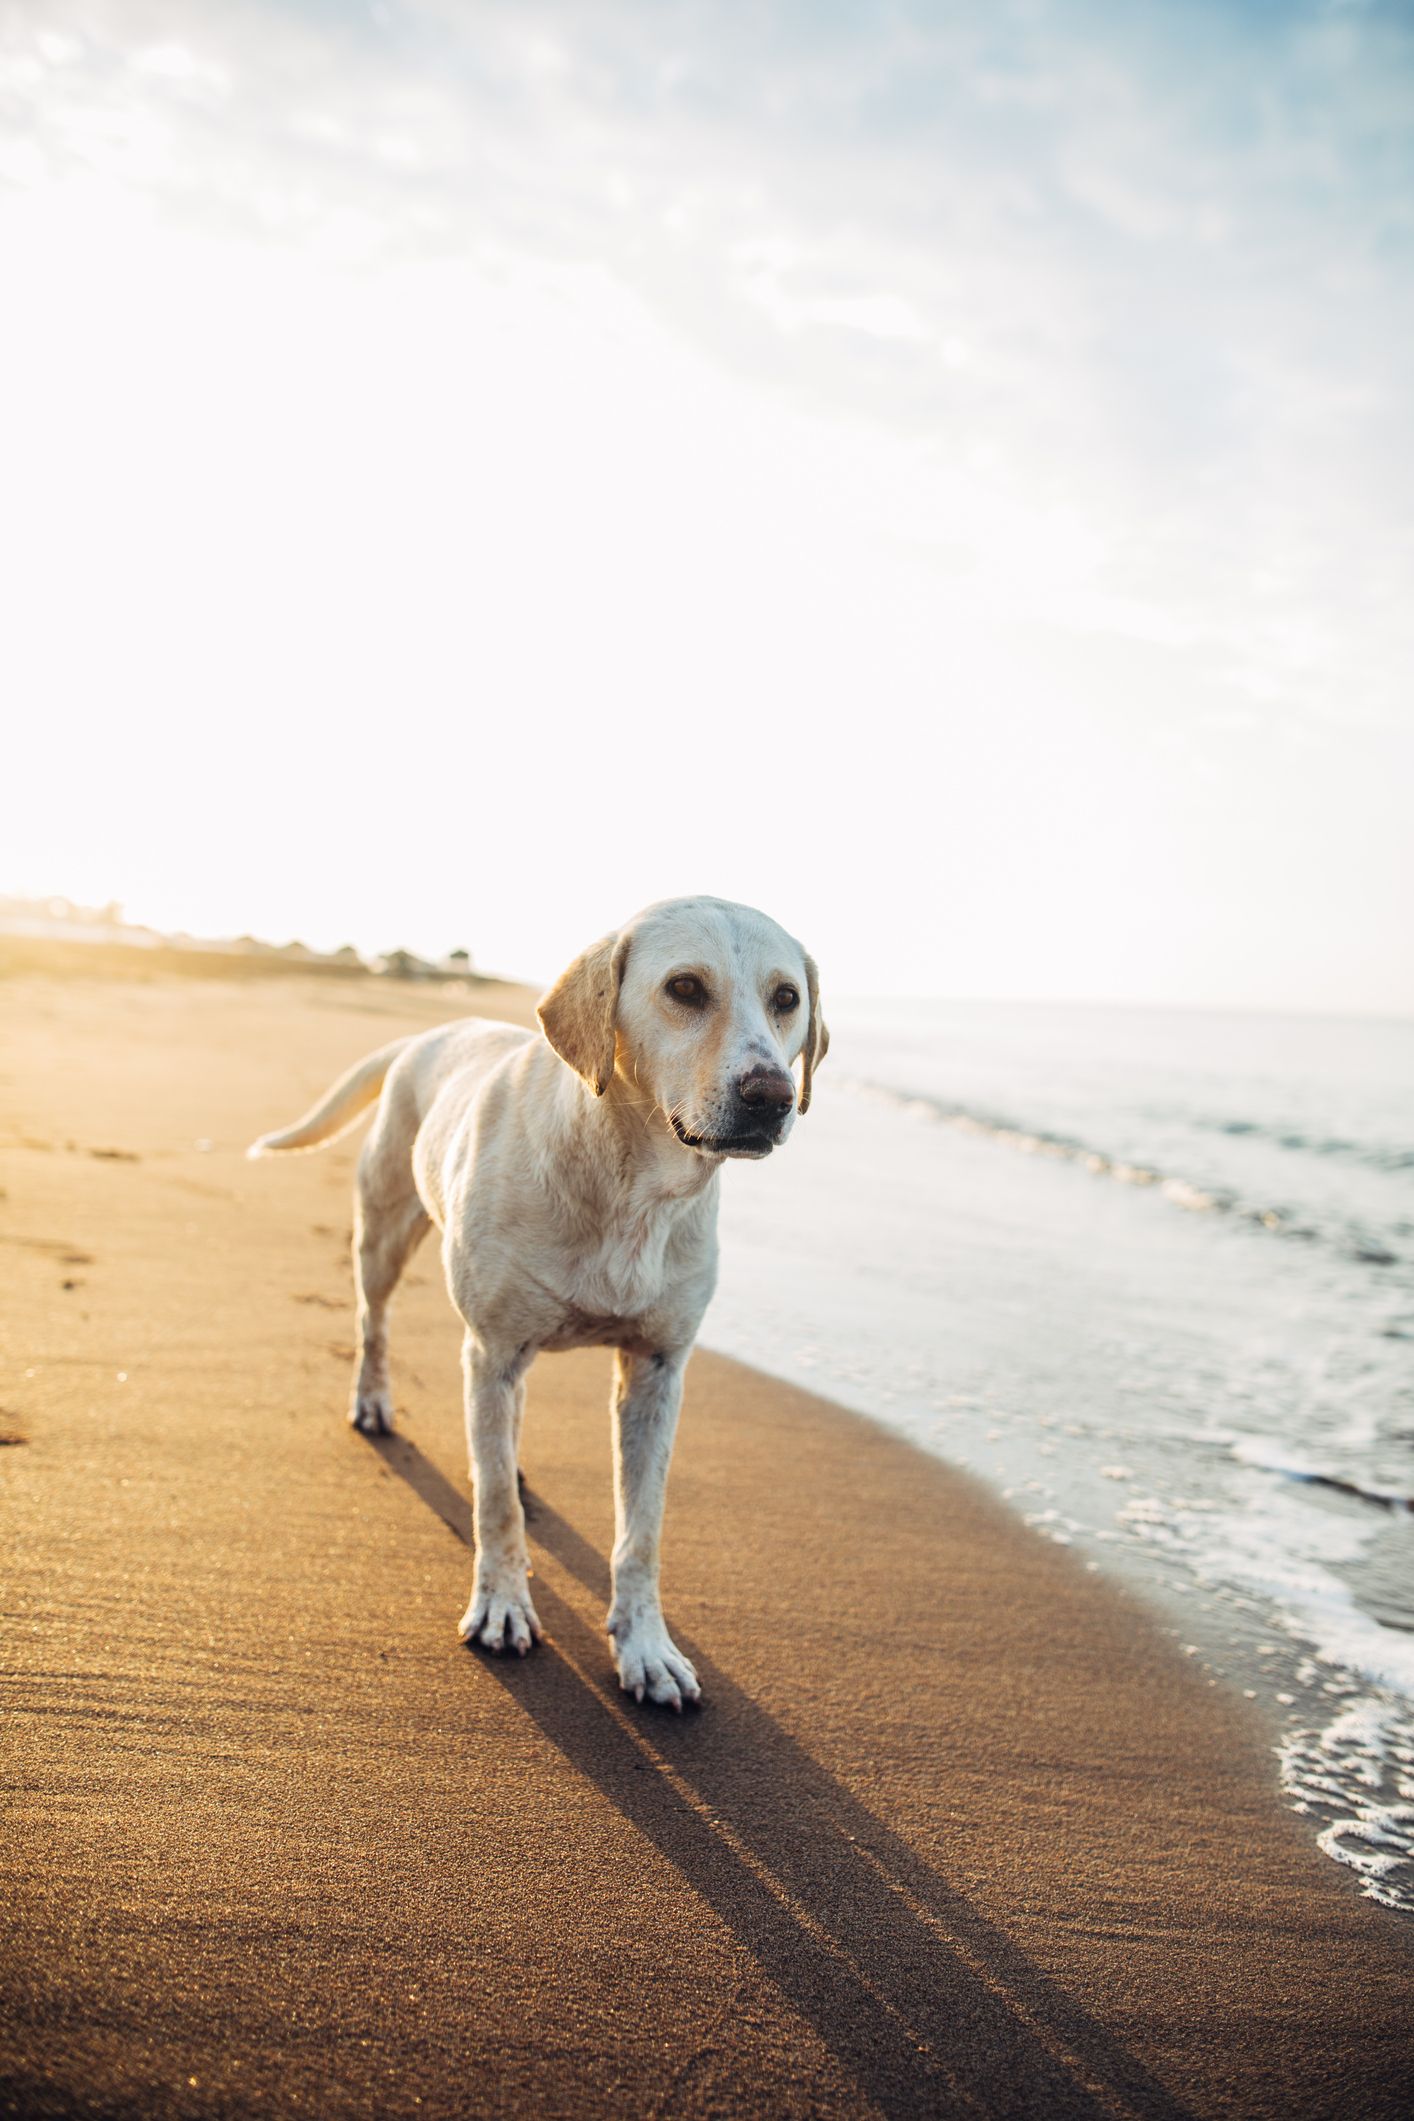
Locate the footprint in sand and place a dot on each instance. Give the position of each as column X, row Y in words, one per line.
column 117, row 1156
column 326, row 1303
column 66, row 1254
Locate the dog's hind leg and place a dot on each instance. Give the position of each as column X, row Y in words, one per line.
column 389, row 1224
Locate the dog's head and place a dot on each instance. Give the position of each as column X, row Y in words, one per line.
column 702, row 1007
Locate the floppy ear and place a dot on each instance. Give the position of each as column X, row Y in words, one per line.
column 817, row 1038
column 580, row 1012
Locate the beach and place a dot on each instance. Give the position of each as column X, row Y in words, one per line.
column 959, row 1828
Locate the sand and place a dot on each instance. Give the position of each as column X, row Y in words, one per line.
column 958, row 1831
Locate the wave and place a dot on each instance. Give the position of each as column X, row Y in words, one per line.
column 1271, row 1456
column 1375, row 1156
column 1357, row 1774
column 1196, row 1198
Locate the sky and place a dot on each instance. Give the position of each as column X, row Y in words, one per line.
column 944, row 474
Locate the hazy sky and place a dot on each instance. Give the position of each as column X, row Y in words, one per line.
column 941, row 473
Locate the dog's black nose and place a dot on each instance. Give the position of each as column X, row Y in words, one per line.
column 766, row 1090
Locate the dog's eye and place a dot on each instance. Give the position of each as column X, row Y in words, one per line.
column 687, row 989
column 786, row 999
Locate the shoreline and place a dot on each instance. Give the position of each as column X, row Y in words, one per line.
column 958, row 1828
column 1134, row 1383
column 1303, row 1735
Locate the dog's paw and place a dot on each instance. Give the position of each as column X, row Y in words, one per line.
column 371, row 1413
column 650, row 1663
column 501, row 1616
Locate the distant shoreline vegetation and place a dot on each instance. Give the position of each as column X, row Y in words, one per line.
column 58, row 935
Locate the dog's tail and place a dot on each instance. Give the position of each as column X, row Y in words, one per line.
column 352, row 1094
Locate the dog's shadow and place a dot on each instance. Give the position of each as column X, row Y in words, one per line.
column 928, row 2005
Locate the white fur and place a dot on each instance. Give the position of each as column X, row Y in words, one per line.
column 573, row 1213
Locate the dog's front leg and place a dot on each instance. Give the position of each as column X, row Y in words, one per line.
column 500, row 1615
column 647, row 1395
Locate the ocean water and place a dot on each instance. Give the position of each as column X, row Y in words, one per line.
column 1151, row 1274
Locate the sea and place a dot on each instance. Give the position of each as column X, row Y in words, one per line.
column 1150, row 1274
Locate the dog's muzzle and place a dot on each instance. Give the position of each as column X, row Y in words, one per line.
column 745, row 1141
column 762, row 1101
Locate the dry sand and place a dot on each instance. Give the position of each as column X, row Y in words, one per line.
column 958, row 1832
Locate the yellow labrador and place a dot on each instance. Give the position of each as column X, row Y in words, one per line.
column 574, row 1179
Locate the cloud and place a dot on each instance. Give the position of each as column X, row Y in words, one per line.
column 1018, row 361
column 1144, row 269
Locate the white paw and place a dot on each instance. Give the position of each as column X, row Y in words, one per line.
column 650, row 1663
column 372, row 1412
column 501, row 1616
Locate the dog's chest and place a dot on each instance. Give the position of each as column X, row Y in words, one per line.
column 609, row 1310
column 622, row 1277
column 630, row 1284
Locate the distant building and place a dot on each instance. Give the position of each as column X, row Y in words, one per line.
column 403, row 964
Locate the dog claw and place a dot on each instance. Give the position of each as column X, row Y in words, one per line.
column 372, row 1414
column 502, row 1620
column 652, row 1668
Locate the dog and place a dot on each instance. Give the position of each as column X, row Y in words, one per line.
column 574, row 1180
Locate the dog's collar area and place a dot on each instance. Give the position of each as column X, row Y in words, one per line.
column 755, row 1143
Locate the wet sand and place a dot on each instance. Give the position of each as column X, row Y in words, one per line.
column 958, row 1831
